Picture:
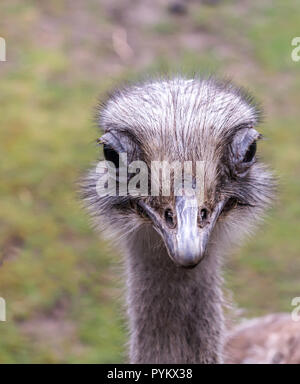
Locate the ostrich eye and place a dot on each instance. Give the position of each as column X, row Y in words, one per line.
column 250, row 153
column 111, row 155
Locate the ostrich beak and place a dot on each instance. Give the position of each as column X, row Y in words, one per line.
column 187, row 246
column 187, row 242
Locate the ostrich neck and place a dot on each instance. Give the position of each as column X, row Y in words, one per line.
column 175, row 314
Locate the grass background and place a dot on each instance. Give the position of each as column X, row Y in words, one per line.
column 58, row 278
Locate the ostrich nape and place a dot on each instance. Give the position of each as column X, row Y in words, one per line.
column 208, row 130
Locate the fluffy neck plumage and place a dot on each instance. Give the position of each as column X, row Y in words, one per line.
column 175, row 314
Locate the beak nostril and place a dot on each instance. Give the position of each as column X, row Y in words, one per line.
column 169, row 218
column 203, row 214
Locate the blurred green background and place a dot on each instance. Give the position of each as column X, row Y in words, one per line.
column 60, row 281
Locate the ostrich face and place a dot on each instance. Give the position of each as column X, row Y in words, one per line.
column 179, row 120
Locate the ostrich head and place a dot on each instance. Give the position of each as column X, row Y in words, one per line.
column 186, row 121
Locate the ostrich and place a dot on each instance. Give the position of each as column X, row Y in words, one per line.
column 173, row 245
